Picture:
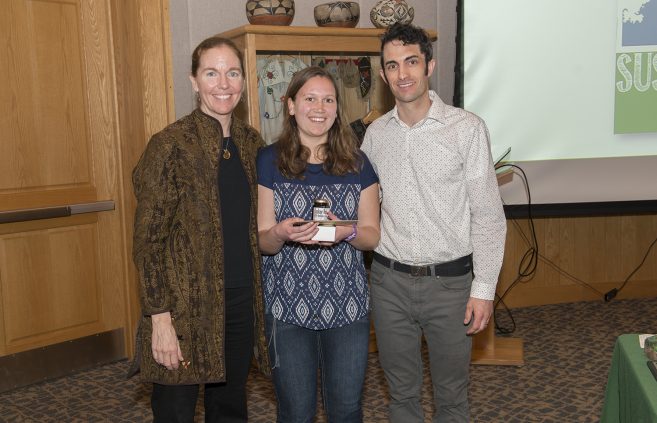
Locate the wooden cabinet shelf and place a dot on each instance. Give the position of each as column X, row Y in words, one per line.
column 268, row 39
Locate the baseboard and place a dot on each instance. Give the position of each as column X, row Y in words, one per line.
column 532, row 294
column 41, row 364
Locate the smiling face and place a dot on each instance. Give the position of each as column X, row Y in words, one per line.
column 406, row 72
column 219, row 82
column 315, row 109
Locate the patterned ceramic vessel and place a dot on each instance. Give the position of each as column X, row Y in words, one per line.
column 387, row 12
column 270, row 12
column 340, row 13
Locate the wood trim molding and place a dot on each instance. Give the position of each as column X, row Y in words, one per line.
column 141, row 36
column 308, row 31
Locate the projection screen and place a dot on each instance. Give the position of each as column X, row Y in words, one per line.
column 548, row 77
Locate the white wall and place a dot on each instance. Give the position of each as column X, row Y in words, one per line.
column 194, row 20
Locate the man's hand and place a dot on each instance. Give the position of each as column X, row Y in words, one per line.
column 480, row 312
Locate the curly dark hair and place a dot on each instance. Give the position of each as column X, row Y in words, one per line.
column 408, row 34
column 340, row 152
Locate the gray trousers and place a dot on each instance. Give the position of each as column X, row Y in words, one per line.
column 403, row 309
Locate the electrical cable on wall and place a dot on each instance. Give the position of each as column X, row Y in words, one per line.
column 529, row 261
column 611, row 294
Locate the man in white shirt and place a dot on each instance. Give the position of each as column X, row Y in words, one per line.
column 441, row 220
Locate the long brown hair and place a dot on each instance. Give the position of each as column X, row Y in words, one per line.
column 340, row 153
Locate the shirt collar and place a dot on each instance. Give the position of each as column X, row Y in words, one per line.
column 436, row 111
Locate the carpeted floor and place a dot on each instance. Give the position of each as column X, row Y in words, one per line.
column 568, row 351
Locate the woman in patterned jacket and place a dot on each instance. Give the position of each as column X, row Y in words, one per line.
column 195, row 247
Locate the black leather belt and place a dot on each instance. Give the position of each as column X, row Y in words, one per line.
column 460, row 266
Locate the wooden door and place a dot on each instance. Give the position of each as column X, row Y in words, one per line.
column 60, row 278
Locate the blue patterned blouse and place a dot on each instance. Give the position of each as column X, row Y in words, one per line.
column 307, row 285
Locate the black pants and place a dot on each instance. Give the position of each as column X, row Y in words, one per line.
column 224, row 402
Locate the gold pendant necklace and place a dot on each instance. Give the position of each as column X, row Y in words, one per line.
column 226, row 154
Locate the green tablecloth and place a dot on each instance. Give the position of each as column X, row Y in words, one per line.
column 631, row 394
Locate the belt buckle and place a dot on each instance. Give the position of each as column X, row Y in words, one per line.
column 418, row 271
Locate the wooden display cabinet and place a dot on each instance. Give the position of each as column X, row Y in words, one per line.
column 256, row 40
column 267, row 39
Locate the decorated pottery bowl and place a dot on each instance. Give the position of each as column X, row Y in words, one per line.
column 270, row 12
column 338, row 14
column 387, row 12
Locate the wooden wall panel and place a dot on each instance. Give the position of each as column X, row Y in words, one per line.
column 50, row 285
column 600, row 251
column 61, row 278
column 83, row 86
column 46, row 99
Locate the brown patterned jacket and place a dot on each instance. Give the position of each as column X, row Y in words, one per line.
column 178, row 246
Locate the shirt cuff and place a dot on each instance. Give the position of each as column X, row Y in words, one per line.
column 482, row 290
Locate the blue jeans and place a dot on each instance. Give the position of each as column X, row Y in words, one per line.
column 340, row 354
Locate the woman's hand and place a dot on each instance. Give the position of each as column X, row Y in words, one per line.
column 341, row 231
column 272, row 235
column 286, row 230
column 368, row 232
column 164, row 343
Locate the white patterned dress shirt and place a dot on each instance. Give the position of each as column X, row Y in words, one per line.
column 440, row 198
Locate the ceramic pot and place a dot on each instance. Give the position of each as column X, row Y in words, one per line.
column 270, row 12
column 340, row 13
column 387, row 12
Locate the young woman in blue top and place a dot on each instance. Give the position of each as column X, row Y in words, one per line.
column 316, row 295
